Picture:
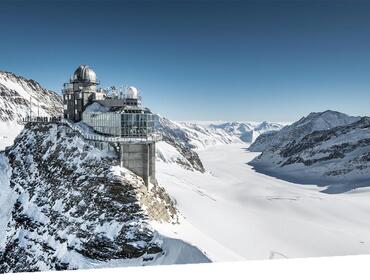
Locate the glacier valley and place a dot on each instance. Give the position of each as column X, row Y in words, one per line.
column 232, row 212
column 226, row 190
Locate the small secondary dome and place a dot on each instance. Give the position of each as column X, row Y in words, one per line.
column 84, row 74
column 132, row 92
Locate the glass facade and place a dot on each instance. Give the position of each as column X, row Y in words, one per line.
column 131, row 125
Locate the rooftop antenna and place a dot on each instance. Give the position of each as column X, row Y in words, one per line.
column 121, row 92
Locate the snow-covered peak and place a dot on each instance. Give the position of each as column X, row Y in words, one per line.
column 202, row 134
column 268, row 126
column 234, row 127
column 325, row 120
column 339, row 156
column 20, row 91
column 17, row 95
column 306, row 125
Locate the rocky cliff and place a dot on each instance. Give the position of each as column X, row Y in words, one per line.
column 67, row 205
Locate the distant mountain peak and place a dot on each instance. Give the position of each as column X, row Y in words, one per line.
column 16, row 94
column 337, row 155
column 314, row 121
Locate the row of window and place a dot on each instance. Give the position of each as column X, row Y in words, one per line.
column 126, row 125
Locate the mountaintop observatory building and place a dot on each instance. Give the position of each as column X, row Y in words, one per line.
column 116, row 118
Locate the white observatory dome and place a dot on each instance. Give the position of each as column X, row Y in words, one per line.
column 84, row 74
column 132, row 92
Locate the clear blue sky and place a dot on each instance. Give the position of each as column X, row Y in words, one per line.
column 206, row 60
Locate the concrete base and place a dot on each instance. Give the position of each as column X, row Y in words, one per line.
column 140, row 159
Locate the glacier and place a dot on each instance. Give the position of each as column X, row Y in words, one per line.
column 233, row 213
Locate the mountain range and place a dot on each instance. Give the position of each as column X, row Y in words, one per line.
column 329, row 148
column 182, row 140
column 67, row 205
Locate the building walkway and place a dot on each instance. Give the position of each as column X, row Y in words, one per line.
column 91, row 136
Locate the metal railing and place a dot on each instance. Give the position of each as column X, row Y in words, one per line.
column 93, row 136
column 41, row 120
column 111, row 139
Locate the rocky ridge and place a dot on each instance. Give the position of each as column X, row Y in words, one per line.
column 338, row 157
column 70, row 204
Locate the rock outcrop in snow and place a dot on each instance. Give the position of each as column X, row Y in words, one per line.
column 329, row 149
column 67, row 205
column 16, row 94
column 175, row 146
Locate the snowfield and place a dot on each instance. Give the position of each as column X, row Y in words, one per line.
column 234, row 213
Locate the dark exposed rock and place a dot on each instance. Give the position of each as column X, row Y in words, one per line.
column 192, row 157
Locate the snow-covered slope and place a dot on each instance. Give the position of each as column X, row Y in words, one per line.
column 338, row 157
column 172, row 152
column 182, row 140
column 68, row 205
column 16, row 93
column 296, row 131
column 175, row 147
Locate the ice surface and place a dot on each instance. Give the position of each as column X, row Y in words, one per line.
column 232, row 212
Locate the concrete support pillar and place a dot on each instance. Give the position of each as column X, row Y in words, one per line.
column 140, row 159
